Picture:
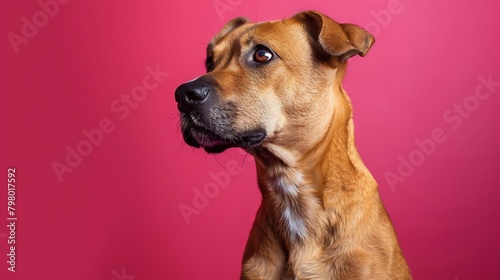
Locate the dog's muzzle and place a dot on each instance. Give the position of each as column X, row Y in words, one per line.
column 207, row 121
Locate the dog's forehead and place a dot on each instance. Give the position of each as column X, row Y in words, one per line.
column 234, row 37
column 274, row 34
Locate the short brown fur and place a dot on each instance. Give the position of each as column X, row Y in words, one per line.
column 321, row 216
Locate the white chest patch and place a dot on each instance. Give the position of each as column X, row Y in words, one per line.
column 295, row 223
column 289, row 205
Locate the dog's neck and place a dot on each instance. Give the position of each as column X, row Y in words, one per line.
column 302, row 190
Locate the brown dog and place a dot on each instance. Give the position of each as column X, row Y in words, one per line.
column 274, row 89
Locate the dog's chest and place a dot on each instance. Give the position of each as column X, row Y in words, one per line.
column 290, row 205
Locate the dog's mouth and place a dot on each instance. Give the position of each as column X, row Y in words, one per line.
column 216, row 139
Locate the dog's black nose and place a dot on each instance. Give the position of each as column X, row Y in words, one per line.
column 192, row 95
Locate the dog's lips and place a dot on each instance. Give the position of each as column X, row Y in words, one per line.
column 214, row 142
column 211, row 142
column 208, row 139
column 199, row 136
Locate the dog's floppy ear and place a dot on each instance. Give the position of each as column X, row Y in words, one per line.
column 330, row 38
column 226, row 29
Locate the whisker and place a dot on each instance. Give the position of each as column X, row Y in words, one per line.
column 217, row 160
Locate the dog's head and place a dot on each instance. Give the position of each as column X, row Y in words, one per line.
column 272, row 85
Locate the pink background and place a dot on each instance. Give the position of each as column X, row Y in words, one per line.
column 116, row 215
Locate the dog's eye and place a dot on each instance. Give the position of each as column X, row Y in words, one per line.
column 262, row 54
column 209, row 64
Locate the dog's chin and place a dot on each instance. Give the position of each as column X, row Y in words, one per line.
column 217, row 149
column 215, row 143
